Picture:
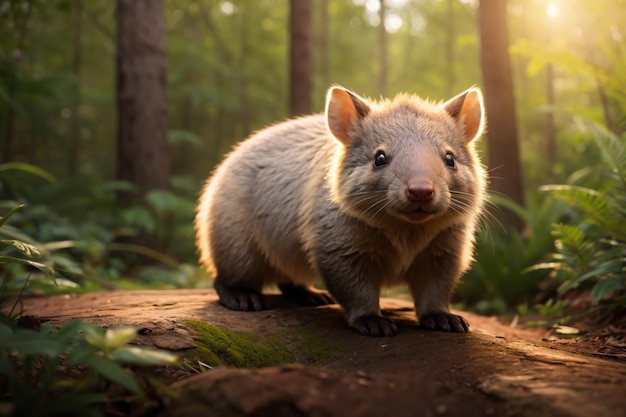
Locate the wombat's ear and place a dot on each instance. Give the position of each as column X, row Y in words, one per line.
column 343, row 109
column 467, row 109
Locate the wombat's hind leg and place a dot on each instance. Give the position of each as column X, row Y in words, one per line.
column 240, row 298
column 376, row 326
column 446, row 322
column 306, row 296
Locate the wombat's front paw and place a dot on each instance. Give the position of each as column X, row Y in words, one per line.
column 376, row 326
column 242, row 299
column 446, row 322
column 306, row 296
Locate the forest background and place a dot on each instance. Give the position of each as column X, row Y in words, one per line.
column 556, row 151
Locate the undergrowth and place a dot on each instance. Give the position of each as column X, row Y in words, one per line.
column 69, row 371
column 590, row 249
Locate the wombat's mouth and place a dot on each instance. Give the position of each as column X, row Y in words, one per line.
column 418, row 215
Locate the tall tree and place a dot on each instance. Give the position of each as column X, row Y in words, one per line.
column 383, row 69
column 324, row 64
column 503, row 144
column 300, row 57
column 142, row 154
column 75, row 125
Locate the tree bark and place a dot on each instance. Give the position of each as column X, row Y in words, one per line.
column 503, row 146
column 324, row 66
column 142, row 150
column 382, row 50
column 550, row 127
column 300, row 57
column 75, row 122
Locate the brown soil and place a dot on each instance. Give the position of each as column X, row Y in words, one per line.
column 494, row 370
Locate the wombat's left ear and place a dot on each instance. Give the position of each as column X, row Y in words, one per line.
column 467, row 109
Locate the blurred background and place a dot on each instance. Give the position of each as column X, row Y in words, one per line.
column 113, row 113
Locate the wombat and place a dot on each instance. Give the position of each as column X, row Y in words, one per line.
column 368, row 195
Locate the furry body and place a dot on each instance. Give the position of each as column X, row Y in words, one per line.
column 365, row 196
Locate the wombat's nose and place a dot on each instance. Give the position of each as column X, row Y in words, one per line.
column 420, row 191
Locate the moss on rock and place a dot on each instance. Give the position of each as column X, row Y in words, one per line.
column 219, row 346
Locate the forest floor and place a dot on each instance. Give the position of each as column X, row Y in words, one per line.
column 329, row 370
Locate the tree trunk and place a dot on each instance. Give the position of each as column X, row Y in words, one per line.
column 12, row 81
column 550, row 128
column 244, row 100
column 382, row 50
column 324, row 67
column 503, row 146
column 450, row 80
column 75, row 125
column 142, row 151
column 300, row 57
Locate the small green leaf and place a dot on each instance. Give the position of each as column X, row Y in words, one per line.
column 604, row 268
column 69, row 331
column 4, row 218
column 81, row 355
column 29, row 168
column 114, row 373
column 30, row 343
column 48, row 270
column 139, row 217
column 95, row 336
column 25, row 248
column 119, row 336
column 607, row 287
column 135, row 355
column 110, row 339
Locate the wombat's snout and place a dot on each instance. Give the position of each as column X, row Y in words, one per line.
column 420, row 191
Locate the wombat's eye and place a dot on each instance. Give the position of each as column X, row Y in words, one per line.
column 380, row 159
column 450, row 159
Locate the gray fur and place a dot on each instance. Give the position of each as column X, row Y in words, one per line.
column 295, row 203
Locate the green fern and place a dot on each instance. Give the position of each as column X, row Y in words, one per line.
column 591, row 250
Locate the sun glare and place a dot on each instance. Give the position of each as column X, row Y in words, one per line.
column 552, row 10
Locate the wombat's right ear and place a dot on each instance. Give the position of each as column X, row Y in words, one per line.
column 343, row 109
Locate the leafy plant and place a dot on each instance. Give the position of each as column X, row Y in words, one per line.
column 15, row 252
column 591, row 248
column 498, row 279
column 66, row 372
column 85, row 232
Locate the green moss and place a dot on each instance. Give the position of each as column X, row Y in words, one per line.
column 309, row 347
column 218, row 346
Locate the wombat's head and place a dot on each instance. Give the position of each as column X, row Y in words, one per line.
column 406, row 159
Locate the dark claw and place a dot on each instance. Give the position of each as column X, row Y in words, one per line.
column 376, row 326
column 306, row 296
column 242, row 299
column 446, row 322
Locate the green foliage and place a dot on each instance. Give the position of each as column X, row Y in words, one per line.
column 65, row 372
column 27, row 250
column 85, row 232
column 498, row 279
column 591, row 247
column 24, row 256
